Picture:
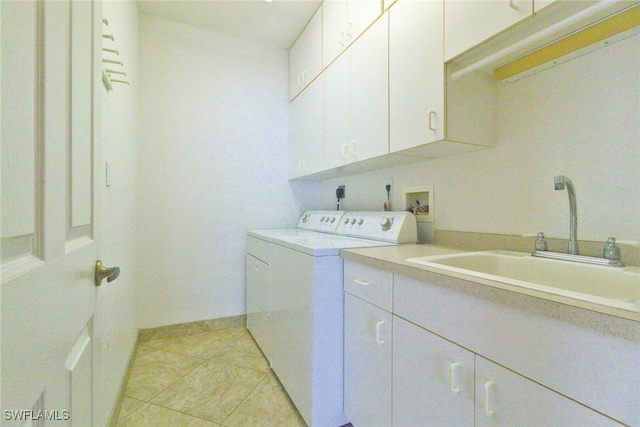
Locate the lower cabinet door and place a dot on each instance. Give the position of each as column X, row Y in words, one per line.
column 432, row 379
column 367, row 363
column 504, row 398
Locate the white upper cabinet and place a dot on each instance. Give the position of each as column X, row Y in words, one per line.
column 467, row 23
column 416, row 74
column 369, row 110
column 356, row 100
column 305, row 56
column 336, row 113
column 343, row 21
column 306, row 131
column 428, row 116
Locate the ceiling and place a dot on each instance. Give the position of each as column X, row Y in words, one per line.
column 276, row 23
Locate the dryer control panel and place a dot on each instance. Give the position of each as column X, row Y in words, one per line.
column 394, row 227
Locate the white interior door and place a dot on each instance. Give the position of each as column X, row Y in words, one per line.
column 50, row 207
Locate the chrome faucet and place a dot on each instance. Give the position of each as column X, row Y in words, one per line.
column 560, row 182
column 611, row 253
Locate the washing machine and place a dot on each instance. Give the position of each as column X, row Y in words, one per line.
column 258, row 273
column 307, row 308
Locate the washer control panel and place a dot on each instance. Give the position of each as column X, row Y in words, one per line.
column 395, row 227
column 322, row 221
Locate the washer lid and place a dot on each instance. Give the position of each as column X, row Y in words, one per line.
column 269, row 235
column 325, row 245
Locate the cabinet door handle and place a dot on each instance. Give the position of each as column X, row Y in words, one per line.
column 304, row 76
column 341, row 38
column 487, row 401
column 350, row 29
column 513, row 5
column 352, row 147
column 452, row 378
column 432, row 120
column 300, row 81
column 361, row 282
column 378, row 326
column 345, row 148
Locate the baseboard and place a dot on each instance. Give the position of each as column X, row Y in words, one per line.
column 189, row 328
column 115, row 412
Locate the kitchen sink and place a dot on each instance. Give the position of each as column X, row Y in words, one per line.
column 613, row 286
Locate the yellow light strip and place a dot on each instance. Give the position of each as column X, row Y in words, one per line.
column 604, row 29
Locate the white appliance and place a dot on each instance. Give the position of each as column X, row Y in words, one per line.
column 258, row 272
column 306, row 306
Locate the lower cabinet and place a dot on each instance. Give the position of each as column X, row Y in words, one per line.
column 432, row 379
column 436, row 383
column 402, row 370
column 367, row 363
column 504, row 398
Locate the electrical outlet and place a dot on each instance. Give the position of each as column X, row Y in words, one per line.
column 390, row 184
column 342, row 191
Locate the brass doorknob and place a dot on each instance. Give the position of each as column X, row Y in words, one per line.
column 103, row 272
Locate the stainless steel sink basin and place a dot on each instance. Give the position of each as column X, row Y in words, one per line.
column 615, row 287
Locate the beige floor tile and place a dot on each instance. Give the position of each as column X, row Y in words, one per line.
column 155, row 370
column 267, row 405
column 204, row 345
column 243, row 352
column 154, row 416
column 129, row 405
column 212, row 391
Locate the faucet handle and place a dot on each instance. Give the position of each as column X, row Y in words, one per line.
column 541, row 243
column 611, row 251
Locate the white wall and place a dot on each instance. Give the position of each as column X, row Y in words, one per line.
column 214, row 134
column 115, row 328
column 580, row 119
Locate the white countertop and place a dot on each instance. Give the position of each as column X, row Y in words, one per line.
column 619, row 322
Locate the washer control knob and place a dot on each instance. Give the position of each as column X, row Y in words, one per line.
column 386, row 223
column 353, row 221
column 322, row 219
column 305, row 217
column 333, row 219
column 360, row 221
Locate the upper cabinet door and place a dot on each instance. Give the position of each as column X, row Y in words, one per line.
column 416, row 74
column 305, row 56
column 343, row 21
column 306, row 131
column 334, row 31
column 336, row 113
column 467, row 23
column 369, row 110
column 360, row 14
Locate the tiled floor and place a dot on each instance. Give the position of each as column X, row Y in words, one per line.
column 217, row 378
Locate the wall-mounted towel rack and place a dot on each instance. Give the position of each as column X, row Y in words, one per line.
column 113, row 70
